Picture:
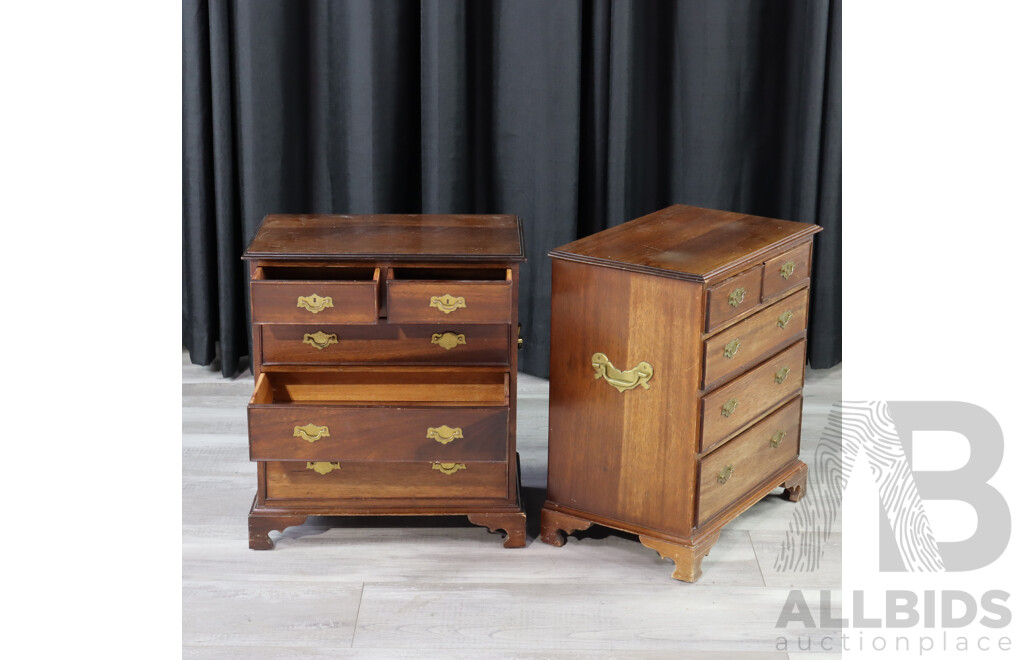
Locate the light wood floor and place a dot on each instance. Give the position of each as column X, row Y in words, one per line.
column 440, row 587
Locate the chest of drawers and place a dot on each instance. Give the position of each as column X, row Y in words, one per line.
column 384, row 354
column 677, row 362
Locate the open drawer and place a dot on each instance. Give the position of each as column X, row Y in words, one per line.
column 321, row 294
column 449, row 295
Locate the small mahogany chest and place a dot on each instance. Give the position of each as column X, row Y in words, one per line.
column 677, row 364
column 384, row 353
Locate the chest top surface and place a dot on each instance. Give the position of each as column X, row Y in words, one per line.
column 686, row 242
column 392, row 237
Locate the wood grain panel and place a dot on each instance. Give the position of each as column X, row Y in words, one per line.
column 353, row 300
column 775, row 280
column 382, row 480
column 485, row 302
column 394, row 384
column 733, row 297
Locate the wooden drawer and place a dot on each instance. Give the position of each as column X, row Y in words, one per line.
column 733, row 406
column 383, row 386
column 743, row 463
column 383, row 343
column 449, row 295
column 736, row 348
column 294, row 294
column 786, row 271
column 331, row 433
column 732, row 297
column 357, row 480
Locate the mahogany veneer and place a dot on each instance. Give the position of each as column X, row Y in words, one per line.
column 385, row 368
column 677, row 363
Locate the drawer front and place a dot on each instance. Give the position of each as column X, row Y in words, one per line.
column 731, row 298
column 332, row 433
column 733, row 406
column 313, row 302
column 383, row 343
column 743, row 463
column 445, row 302
column 786, row 271
column 736, row 348
column 356, row 480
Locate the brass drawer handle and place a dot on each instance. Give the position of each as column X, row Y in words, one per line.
column 621, row 380
column 519, row 340
column 724, row 475
column 448, row 340
column 319, row 339
column 448, row 303
column 787, row 269
column 322, row 467
column 449, row 468
column 784, row 318
column 729, row 407
column 311, row 432
column 780, row 375
column 315, row 303
column 777, row 439
column 444, row 434
column 731, row 348
column 737, row 296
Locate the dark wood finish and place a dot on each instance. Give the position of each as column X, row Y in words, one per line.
column 356, row 427
column 733, row 406
column 388, row 344
column 631, row 444
column 757, row 335
column 775, row 280
column 733, row 297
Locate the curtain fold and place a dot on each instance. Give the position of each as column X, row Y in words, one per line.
column 574, row 115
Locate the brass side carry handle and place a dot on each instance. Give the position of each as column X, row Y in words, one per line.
column 777, row 439
column 322, row 467
column 787, row 269
column 729, row 407
column 449, row 468
column 448, row 303
column 785, row 317
column 319, row 339
column 444, row 433
column 311, row 432
column 621, row 380
column 781, row 375
column 314, row 303
column 731, row 348
column 724, row 475
column 737, row 296
column 448, row 340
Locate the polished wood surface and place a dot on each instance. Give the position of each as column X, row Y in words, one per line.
column 687, row 242
column 787, row 271
column 376, row 237
column 669, row 363
column 396, row 396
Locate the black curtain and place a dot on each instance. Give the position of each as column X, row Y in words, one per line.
column 574, row 115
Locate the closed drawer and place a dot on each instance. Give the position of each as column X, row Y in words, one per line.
column 384, row 343
column 732, row 297
column 332, row 433
column 444, row 296
column 746, row 461
column 735, row 349
column 733, row 406
column 786, row 271
column 286, row 294
column 337, row 480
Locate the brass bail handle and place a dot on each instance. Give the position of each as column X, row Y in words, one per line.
column 448, row 303
column 621, row 380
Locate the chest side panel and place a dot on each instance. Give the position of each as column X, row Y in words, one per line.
column 626, row 454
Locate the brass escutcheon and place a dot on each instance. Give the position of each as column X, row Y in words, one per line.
column 777, row 438
column 621, row 380
column 315, row 303
column 322, row 467
column 787, row 269
column 731, row 348
column 311, row 432
column 448, row 340
column 449, row 468
column 724, row 475
column 448, row 303
column 781, row 374
column 737, row 296
column 784, row 318
column 444, row 434
column 729, row 407
column 319, row 339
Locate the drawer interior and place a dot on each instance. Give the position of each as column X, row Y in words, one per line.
column 318, row 273
column 369, row 386
column 449, row 274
